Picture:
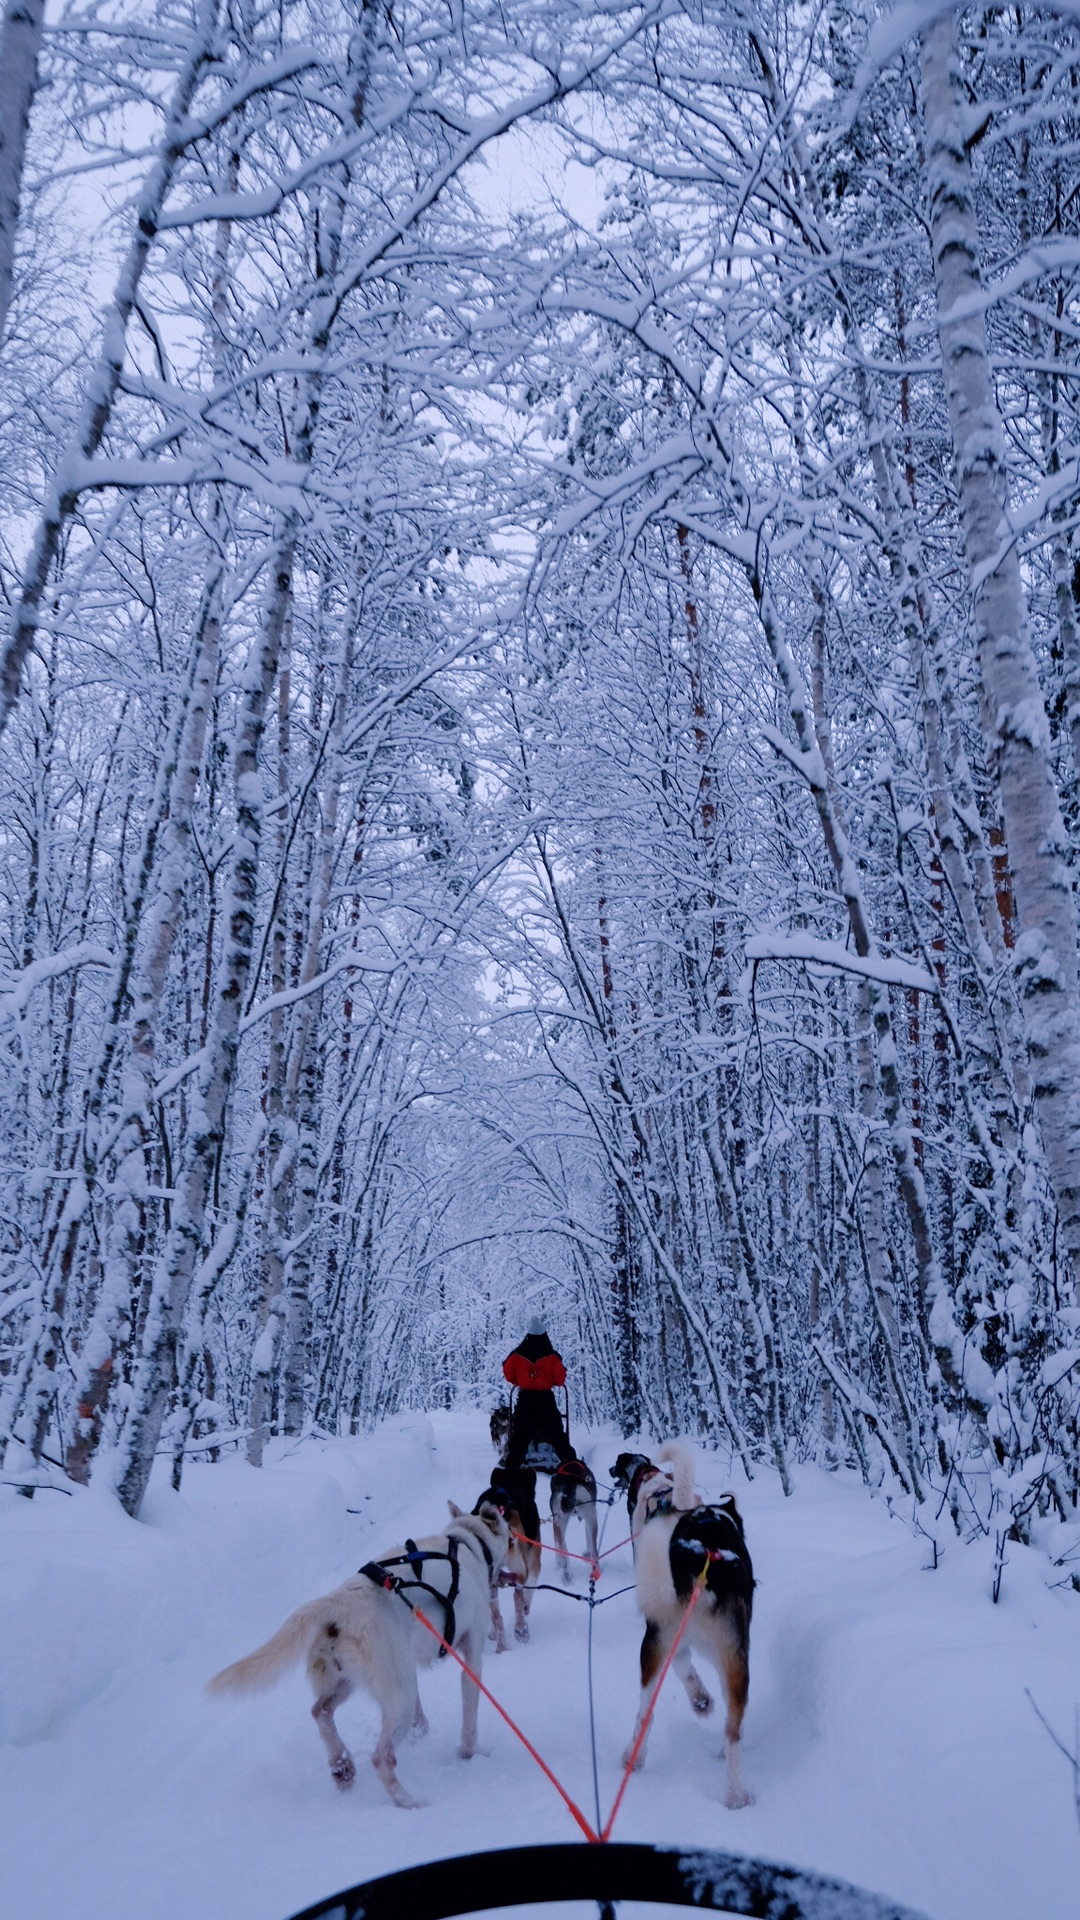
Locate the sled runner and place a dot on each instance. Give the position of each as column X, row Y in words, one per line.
column 674, row 1876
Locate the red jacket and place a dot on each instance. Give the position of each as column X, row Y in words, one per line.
column 534, row 1376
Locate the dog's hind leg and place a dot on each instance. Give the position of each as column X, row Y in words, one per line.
column 420, row 1720
column 736, row 1673
column 342, row 1766
column 558, row 1524
column 654, row 1649
column 498, row 1630
column 697, row 1692
column 522, row 1603
column 398, row 1715
column 592, row 1539
column 332, row 1685
column 470, row 1699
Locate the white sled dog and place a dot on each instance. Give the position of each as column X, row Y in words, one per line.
column 678, row 1538
column 365, row 1635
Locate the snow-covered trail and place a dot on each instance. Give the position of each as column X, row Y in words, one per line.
column 888, row 1740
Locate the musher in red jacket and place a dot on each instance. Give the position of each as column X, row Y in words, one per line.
column 535, row 1369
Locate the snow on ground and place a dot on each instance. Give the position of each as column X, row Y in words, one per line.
column 888, row 1741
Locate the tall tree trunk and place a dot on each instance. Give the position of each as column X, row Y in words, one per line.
column 20, row 47
column 206, row 1130
column 1014, row 714
column 124, row 1241
column 268, row 1311
column 302, row 1081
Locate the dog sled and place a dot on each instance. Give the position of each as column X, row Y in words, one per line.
column 540, row 1454
column 699, row 1877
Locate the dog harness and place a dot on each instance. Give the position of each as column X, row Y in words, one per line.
column 690, row 1543
column 414, row 1556
column 660, row 1502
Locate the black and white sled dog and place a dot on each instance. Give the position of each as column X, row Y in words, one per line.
column 573, row 1491
column 513, row 1491
column 678, row 1537
column 365, row 1635
column 502, row 1419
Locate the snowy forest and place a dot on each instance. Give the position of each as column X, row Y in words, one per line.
column 540, row 556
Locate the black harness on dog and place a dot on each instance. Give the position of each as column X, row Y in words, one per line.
column 414, row 1556
column 724, row 1541
column 710, row 1539
column 660, row 1502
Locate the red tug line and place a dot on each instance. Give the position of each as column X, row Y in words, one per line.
column 586, row 1826
column 632, row 1756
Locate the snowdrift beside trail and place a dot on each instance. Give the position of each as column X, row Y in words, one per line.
column 889, row 1739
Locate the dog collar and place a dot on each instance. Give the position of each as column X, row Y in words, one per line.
column 474, row 1538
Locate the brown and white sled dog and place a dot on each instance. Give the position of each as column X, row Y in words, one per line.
column 364, row 1635
column 677, row 1538
column 629, row 1475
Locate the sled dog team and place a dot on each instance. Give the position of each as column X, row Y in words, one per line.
column 366, row 1633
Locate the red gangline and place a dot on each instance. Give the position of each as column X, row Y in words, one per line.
column 586, row 1827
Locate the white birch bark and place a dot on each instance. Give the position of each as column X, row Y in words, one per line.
column 301, row 1081
column 97, row 1363
column 206, row 1280
column 62, row 1244
column 1065, row 600
column 1014, row 715
column 20, row 48
column 206, row 1131
column 268, row 1316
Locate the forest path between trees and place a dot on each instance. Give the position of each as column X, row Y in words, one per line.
column 889, row 1739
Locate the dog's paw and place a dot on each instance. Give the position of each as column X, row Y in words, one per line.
column 521, row 1634
column 702, row 1702
column 638, row 1763
column 738, row 1796
column 343, row 1772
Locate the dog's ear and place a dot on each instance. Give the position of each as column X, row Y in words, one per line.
column 493, row 1517
column 456, row 1512
column 727, row 1501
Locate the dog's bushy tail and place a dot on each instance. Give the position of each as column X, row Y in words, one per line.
column 288, row 1644
column 680, row 1459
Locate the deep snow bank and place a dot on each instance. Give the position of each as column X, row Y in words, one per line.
column 889, row 1739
